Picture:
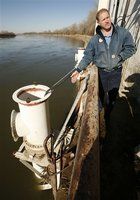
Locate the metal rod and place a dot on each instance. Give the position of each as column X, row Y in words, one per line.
column 125, row 13
column 29, row 166
column 116, row 12
column 51, row 89
column 57, row 142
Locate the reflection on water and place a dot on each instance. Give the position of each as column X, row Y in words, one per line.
column 25, row 60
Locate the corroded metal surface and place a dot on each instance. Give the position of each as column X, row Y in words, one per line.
column 88, row 140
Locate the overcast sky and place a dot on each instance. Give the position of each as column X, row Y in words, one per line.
column 39, row 15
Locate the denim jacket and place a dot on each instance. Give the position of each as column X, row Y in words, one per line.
column 109, row 56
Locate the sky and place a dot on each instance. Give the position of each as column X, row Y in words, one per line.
column 20, row 16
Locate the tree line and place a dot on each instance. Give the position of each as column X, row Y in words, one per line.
column 84, row 28
column 5, row 34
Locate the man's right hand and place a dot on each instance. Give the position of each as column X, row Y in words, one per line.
column 74, row 76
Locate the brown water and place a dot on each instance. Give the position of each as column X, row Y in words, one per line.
column 25, row 60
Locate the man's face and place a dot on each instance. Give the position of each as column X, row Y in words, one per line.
column 104, row 21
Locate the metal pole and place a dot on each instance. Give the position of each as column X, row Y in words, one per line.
column 60, row 81
column 32, row 168
column 116, row 12
column 125, row 13
column 70, row 113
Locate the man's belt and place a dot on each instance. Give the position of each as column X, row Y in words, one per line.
column 110, row 70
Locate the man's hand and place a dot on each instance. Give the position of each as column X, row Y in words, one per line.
column 74, row 76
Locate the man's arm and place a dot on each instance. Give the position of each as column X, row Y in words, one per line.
column 129, row 47
column 86, row 60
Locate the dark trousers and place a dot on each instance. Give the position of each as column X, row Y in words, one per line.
column 109, row 83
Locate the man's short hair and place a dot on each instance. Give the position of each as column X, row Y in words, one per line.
column 100, row 12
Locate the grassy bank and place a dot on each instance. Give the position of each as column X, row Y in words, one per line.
column 84, row 38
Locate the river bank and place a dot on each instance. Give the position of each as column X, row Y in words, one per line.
column 83, row 38
column 7, row 34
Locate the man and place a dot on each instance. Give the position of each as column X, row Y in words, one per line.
column 108, row 49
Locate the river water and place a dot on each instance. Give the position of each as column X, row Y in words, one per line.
column 25, row 60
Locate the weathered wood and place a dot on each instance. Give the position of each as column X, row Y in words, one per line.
column 88, row 140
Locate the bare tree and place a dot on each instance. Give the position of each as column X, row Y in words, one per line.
column 86, row 27
column 90, row 23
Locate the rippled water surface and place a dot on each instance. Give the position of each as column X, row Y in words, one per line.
column 25, row 60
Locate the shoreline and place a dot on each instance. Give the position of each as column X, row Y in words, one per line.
column 84, row 38
column 7, row 35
